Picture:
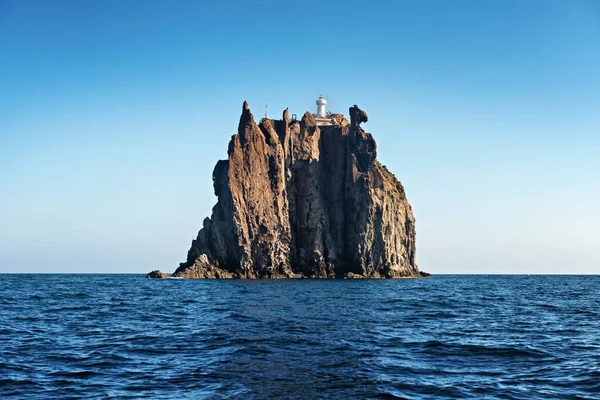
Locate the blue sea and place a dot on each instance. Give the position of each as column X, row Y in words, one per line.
column 450, row 337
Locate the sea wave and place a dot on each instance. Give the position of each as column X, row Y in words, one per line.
column 124, row 336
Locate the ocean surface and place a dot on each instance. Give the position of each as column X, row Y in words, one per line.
column 123, row 336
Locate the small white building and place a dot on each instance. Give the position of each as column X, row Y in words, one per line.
column 321, row 107
column 323, row 118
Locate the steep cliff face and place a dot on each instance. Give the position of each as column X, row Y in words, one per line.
column 300, row 200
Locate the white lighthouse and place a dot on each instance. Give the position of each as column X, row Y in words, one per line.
column 321, row 107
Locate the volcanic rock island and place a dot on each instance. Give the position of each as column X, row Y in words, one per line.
column 304, row 199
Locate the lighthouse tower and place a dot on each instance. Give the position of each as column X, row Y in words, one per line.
column 321, row 107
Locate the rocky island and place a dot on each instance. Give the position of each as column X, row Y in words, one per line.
column 304, row 198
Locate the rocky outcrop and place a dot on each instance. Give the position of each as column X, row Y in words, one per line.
column 300, row 200
column 156, row 274
column 357, row 116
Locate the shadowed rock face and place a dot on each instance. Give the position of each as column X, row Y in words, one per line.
column 299, row 200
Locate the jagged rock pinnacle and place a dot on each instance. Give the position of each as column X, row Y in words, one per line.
column 301, row 200
column 308, row 120
column 357, row 116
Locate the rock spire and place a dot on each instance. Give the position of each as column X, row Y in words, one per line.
column 300, row 200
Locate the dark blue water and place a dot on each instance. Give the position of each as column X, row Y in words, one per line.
column 121, row 336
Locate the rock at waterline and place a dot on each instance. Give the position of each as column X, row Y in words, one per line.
column 156, row 274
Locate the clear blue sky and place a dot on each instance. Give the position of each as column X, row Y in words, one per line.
column 113, row 114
